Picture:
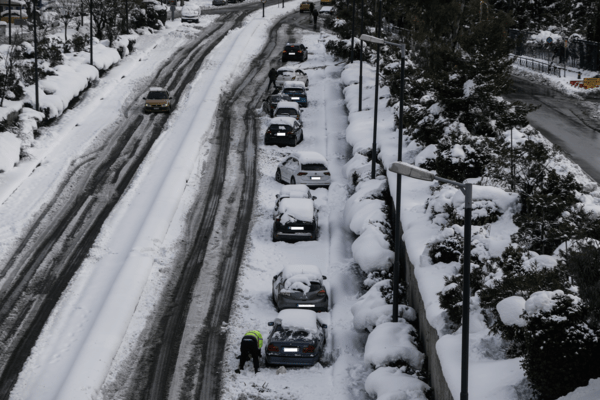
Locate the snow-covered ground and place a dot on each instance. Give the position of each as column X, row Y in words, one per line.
column 341, row 372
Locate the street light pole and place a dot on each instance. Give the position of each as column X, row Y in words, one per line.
column 411, row 171
column 360, row 80
column 374, row 148
column 399, row 247
column 91, row 37
column 35, row 59
column 9, row 21
column 352, row 41
column 127, row 16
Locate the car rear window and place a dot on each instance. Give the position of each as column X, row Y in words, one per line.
column 288, row 111
column 158, row 96
column 293, row 91
column 280, row 128
column 314, row 167
column 293, row 48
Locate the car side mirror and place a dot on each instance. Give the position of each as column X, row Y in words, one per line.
column 276, row 196
column 324, row 326
column 271, row 323
column 324, row 277
column 314, row 197
column 143, row 98
column 170, row 98
column 274, row 277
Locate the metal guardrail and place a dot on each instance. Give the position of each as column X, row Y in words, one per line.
column 541, row 66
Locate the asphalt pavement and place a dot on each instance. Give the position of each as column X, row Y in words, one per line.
column 565, row 121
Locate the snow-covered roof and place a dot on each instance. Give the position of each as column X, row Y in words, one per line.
column 297, row 209
column 311, row 272
column 305, row 320
column 156, row 89
column 296, row 191
column 286, row 69
column 293, row 85
column 310, row 157
column 283, row 121
column 288, row 104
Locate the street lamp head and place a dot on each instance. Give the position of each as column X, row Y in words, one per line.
column 372, row 39
column 405, row 169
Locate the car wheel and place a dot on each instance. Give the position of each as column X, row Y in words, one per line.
column 278, row 176
column 307, row 83
column 292, row 181
column 302, row 136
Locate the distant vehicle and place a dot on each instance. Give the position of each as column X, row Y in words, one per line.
column 234, row 1
column 300, row 286
column 296, row 91
column 305, row 6
column 294, row 52
column 307, row 167
column 270, row 103
column 295, row 220
column 326, row 3
column 190, row 13
column 284, row 131
column 16, row 16
column 157, row 100
column 327, row 10
column 288, row 109
column 290, row 74
column 297, row 338
column 219, row 2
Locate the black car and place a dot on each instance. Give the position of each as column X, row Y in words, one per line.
column 295, row 220
column 300, row 286
column 294, row 52
column 284, row 131
column 270, row 103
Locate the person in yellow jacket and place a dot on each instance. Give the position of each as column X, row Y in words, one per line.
column 251, row 346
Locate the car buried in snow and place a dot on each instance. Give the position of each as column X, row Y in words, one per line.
column 285, row 74
column 288, row 109
column 296, row 91
column 293, row 192
column 270, row 103
column 300, row 286
column 297, row 338
column 284, row 131
column 295, row 220
column 157, row 100
column 307, row 167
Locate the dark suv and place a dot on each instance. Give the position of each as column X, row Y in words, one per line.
column 294, row 52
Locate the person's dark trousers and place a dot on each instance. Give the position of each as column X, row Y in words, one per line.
column 270, row 82
column 249, row 349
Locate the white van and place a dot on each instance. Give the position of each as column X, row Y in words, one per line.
column 190, row 13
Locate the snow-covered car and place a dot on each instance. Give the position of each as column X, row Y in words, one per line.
column 327, row 10
column 15, row 15
column 295, row 220
column 157, row 100
column 288, row 109
column 300, row 286
column 305, row 6
column 219, row 2
column 270, row 103
column 296, row 91
column 284, row 131
column 293, row 192
column 190, row 13
column 294, row 52
column 297, row 338
column 285, row 74
column 307, row 167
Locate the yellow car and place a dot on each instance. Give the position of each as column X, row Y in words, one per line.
column 327, row 2
column 305, row 6
column 14, row 16
column 157, row 100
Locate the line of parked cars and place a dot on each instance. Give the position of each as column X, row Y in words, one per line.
column 299, row 333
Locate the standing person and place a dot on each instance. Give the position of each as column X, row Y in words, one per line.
column 312, row 7
column 251, row 346
column 315, row 14
column 272, row 78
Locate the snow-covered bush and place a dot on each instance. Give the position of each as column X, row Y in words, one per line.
column 389, row 383
column 394, row 344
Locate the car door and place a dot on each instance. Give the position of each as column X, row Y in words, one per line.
column 276, row 286
column 297, row 130
column 285, row 170
column 294, row 168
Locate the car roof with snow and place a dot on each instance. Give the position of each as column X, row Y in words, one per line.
column 293, row 85
column 157, row 89
column 312, row 272
column 302, row 320
column 298, row 209
column 297, row 191
column 288, row 104
column 310, row 157
column 283, row 121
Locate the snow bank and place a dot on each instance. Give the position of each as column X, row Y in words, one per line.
column 105, row 57
column 390, row 383
column 372, row 310
column 510, row 310
column 589, row 392
column 10, row 149
column 371, row 250
column 391, row 342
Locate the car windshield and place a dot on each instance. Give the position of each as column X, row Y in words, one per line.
column 314, row 167
column 158, row 96
column 293, row 91
column 288, row 111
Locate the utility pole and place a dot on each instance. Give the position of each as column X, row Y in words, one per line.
column 35, row 59
column 91, row 37
column 9, row 21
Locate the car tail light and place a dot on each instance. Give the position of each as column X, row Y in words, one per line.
column 327, row 173
column 299, row 51
column 308, row 349
column 285, row 51
column 302, row 173
column 321, row 292
column 273, row 349
column 268, row 131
